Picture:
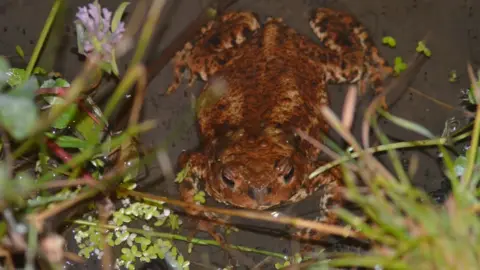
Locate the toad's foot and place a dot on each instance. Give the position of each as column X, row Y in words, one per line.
column 210, row 226
column 213, row 47
column 196, row 166
column 357, row 59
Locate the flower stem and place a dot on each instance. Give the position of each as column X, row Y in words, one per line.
column 148, row 28
column 43, row 37
column 178, row 237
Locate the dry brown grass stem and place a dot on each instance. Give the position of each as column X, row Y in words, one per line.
column 348, row 112
column 249, row 214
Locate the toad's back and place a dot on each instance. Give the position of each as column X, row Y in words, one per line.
column 271, row 81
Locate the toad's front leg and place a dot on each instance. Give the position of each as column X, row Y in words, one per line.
column 328, row 187
column 197, row 170
column 214, row 47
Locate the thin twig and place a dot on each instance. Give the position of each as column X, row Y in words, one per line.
column 317, row 144
column 297, row 222
column 73, row 257
column 378, row 99
column 139, row 96
column 336, row 124
column 38, row 219
column 178, row 237
column 349, row 107
column 65, row 183
column 439, row 102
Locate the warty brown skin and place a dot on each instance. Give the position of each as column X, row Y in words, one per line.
column 268, row 81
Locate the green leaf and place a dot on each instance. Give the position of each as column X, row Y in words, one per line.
column 4, row 67
column 117, row 17
column 16, row 76
column 20, row 52
column 89, row 129
column 85, row 252
column 121, row 236
column 18, row 115
column 390, row 41
column 180, row 259
column 64, row 120
column 459, row 165
column 3, row 229
column 453, row 76
column 128, row 255
column 39, row 71
column 399, row 65
column 422, row 48
column 106, row 66
column 119, row 218
column 26, row 89
column 152, row 251
column 48, row 83
column 199, row 197
column 110, row 241
column 182, row 174
column 211, row 12
column 471, row 96
column 160, row 221
column 61, row 83
column 144, row 242
column 174, row 222
column 71, row 142
column 23, row 183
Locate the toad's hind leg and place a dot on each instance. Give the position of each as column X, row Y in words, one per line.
column 358, row 58
column 214, row 47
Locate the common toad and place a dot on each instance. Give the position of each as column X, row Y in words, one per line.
column 272, row 80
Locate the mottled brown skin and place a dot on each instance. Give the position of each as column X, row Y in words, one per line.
column 271, row 80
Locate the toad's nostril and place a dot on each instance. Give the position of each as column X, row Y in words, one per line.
column 288, row 177
column 258, row 194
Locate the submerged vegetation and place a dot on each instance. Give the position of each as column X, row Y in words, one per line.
column 63, row 164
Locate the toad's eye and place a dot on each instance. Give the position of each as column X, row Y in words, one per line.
column 285, row 169
column 215, row 41
column 288, row 177
column 227, row 179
